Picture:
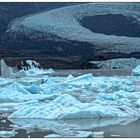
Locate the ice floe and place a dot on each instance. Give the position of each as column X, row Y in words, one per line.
column 32, row 72
column 136, row 71
column 73, row 134
column 82, row 97
column 67, row 107
column 6, row 134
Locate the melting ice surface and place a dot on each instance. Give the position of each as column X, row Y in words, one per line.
column 59, row 100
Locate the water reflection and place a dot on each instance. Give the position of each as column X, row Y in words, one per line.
column 37, row 128
column 69, row 127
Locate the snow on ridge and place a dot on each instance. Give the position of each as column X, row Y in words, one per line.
column 64, row 22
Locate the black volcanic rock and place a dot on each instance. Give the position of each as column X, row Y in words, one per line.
column 110, row 24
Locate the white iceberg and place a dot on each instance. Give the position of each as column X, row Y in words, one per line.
column 67, row 107
column 80, row 80
column 20, row 73
column 5, row 71
column 17, row 93
column 138, row 102
column 136, row 71
column 33, row 89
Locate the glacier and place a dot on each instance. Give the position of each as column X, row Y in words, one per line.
column 64, row 23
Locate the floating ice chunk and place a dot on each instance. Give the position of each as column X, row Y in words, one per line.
column 52, row 81
column 26, row 81
column 49, row 71
column 67, row 107
column 33, row 89
column 53, row 136
column 98, row 134
column 115, row 135
column 37, row 71
column 70, row 77
column 77, row 134
column 136, row 71
column 33, row 72
column 138, row 102
column 19, row 97
column 129, row 95
column 5, row 71
column 111, row 84
column 6, row 134
column 80, row 80
column 17, row 87
column 31, row 64
column 4, row 121
column 20, row 73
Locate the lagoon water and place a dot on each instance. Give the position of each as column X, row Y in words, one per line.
column 39, row 128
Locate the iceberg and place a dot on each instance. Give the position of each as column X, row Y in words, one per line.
column 81, row 97
column 33, row 89
column 138, row 102
column 136, row 71
column 73, row 134
column 33, row 72
column 20, row 73
column 80, row 80
column 67, row 107
column 5, row 71
column 18, row 93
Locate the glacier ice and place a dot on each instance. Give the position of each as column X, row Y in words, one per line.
column 64, row 22
column 119, row 63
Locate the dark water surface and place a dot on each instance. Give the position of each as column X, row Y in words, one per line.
column 38, row 128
